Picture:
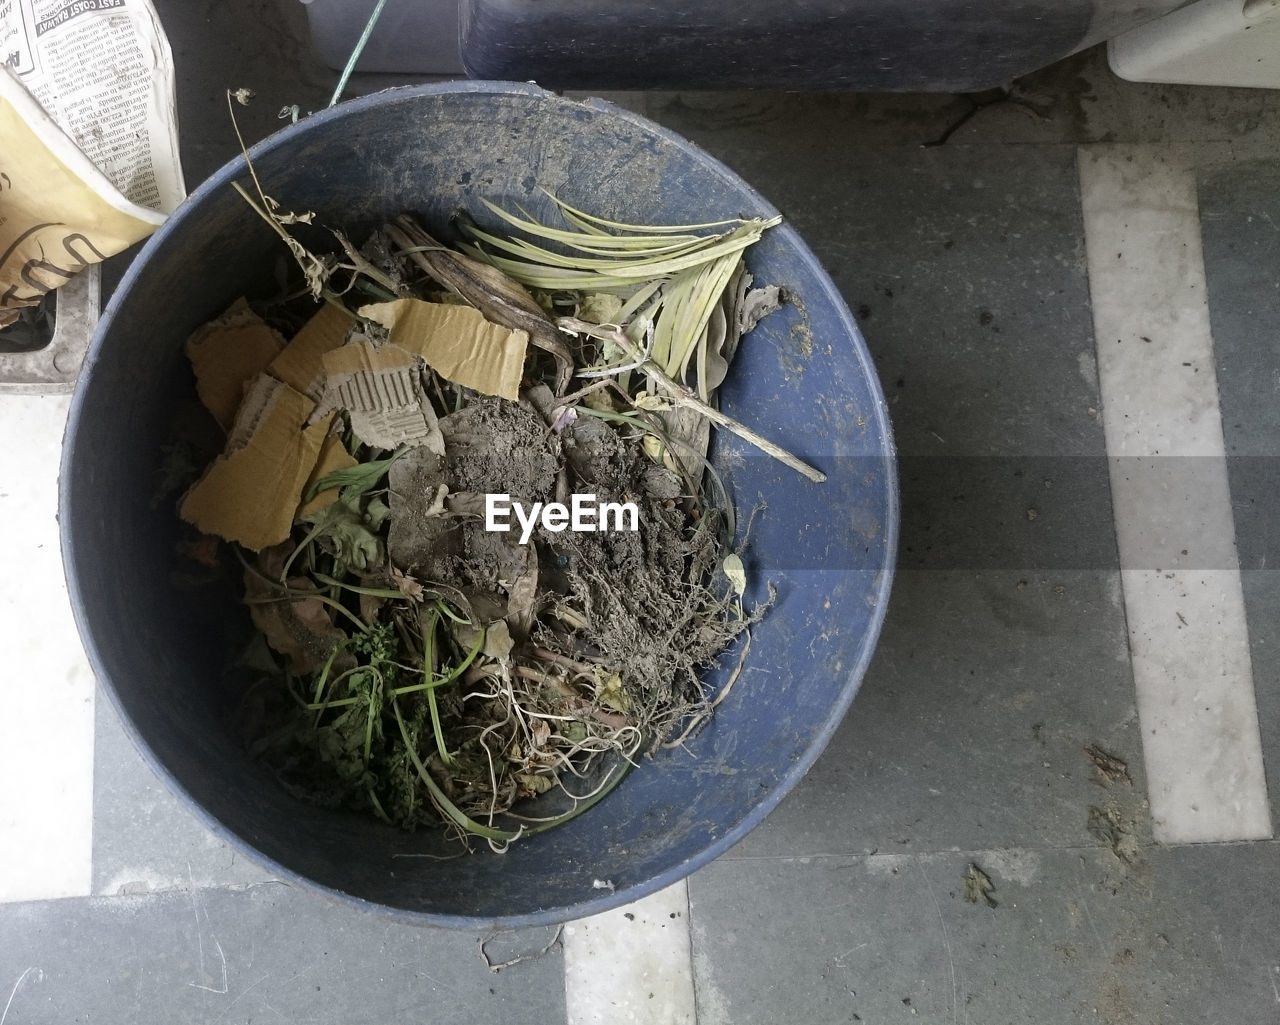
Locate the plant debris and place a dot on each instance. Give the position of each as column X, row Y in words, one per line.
column 1107, row 768
column 421, row 663
column 978, row 886
column 1115, row 832
column 516, row 957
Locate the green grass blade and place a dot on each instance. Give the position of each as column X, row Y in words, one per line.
column 437, row 727
column 537, row 255
column 360, row 478
column 586, row 227
column 550, row 279
column 621, row 273
column 641, row 296
column 447, row 807
column 734, row 243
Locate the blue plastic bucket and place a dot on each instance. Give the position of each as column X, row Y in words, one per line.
column 803, row 378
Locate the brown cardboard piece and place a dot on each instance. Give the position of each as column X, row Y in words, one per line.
column 381, row 389
column 333, row 456
column 299, row 365
column 457, row 342
column 228, row 352
column 251, row 492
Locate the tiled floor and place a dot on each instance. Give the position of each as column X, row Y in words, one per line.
column 1036, row 613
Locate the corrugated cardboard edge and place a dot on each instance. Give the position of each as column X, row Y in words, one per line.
column 300, row 364
column 457, row 342
column 228, row 352
column 333, row 456
column 251, row 492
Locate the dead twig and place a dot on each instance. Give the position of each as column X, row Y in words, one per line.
column 680, row 395
column 497, row 966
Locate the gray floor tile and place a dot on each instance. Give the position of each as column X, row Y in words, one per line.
column 1262, row 610
column 144, row 837
column 964, row 267
column 1240, row 218
column 1004, row 654
column 1240, row 228
column 262, row 954
column 971, row 726
column 1180, row 936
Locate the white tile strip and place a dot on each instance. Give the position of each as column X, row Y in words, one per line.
column 1187, row 631
column 46, row 731
column 633, row 964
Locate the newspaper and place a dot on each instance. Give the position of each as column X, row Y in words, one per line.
column 88, row 138
column 103, row 71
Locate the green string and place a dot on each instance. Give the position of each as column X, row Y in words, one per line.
column 355, row 54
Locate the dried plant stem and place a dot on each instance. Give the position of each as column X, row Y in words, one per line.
column 498, row 297
column 680, row 395
column 497, row 966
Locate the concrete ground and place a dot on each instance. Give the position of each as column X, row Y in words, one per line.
column 1072, row 293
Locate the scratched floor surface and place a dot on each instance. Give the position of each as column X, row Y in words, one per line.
column 1019, row 821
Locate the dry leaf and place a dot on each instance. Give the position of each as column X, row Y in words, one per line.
column 613, row 695
column 757, row 305
column 406, row 584
column 978, row 886
column 302, row 629
column 497, row 641
column 736, row 572
column 522, row 597
column 650, row 402
column 720, row 348
column 1114, row 831
column 656, row 450
column 1107, row 768
column 600, row 308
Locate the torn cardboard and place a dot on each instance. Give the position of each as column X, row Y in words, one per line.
column 251, row 492
column 300, row 364
column 457, row 342
column 226, row 354
column 381, row 389
column 333, row 456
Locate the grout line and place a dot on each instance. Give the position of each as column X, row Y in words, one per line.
column 905, row 854
column 1188, row 638
column 632, row 964
column 46, row 733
